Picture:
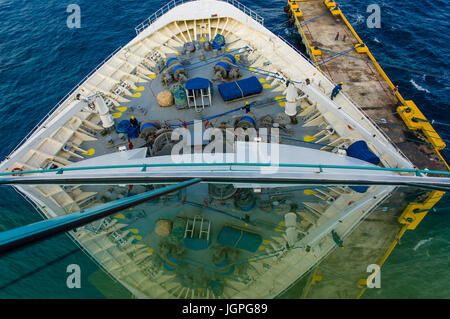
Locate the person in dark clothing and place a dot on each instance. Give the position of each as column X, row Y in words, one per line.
column 247, row 107
column 336, row 90
column 134, row 122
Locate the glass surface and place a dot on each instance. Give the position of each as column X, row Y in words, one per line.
column 216, row 241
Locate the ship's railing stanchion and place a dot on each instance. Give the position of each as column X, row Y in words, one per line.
column 174, row 3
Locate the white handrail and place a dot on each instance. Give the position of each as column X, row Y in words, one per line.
column 174, row 3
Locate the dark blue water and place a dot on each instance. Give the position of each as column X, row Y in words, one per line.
column 41, row 60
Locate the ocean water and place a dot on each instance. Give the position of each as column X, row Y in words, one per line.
column 41, row 59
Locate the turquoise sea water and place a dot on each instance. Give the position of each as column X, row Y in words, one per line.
column 41, row 60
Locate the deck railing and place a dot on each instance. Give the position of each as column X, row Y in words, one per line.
column 170, row 5
column 207, row 168
column 174, row 3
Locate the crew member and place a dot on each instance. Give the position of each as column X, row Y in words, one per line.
column 395, row 90
column 134, row 122
column 337, row 37
column 247, row 107
column 336, row 90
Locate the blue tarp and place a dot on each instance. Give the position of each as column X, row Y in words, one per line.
column 239, row 89
column 197, row 84
column 133, row 132
column 218, row 42
column 360, row 189
column 123, row 126
column 239, row 238
column 361, row 151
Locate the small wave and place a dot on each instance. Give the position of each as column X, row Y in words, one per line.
column 359, row 18
column 418, row 87
column 421, row 243
column 376, row 40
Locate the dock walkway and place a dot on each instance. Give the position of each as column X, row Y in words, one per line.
column 345, row 58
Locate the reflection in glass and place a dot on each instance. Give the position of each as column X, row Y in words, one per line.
column 240, row 240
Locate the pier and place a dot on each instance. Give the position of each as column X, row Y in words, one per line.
column 337, row 50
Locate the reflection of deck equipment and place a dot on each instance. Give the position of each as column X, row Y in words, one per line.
column 21, row 236
column 198, row 91
column 290, row 220
column 163, row 227
column 245, row 200
column 197, row 233
column 178, row 228
column 221, row 191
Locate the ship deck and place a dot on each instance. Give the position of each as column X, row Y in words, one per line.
column 143, row 104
